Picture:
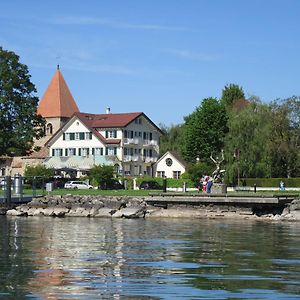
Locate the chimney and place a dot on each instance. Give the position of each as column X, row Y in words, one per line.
column 108, row 110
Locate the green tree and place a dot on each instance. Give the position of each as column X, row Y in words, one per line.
column 204, row 131
column 19, row 121
column 101, row 175
column 41, row 173
column 285, row 139
column 39, row 170
column 246, row 144
column 231, row 93
column 172, row 138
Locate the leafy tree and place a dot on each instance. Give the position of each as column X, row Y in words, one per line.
column 172, row 139
column 42, row 173
column 18, row 106
column 196, row 171
column 285, row 139
column 39, row 170
column 231, row 93
column 246, row 150
column 101, row 175
column 204, row 131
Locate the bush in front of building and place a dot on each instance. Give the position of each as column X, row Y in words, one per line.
column 41, row 173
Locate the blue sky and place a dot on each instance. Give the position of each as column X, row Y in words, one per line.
column 161, row 57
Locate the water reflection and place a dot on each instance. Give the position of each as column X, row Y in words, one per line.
column 82, row 258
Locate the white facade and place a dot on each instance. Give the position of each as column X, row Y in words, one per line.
column 169, row 166
column 133, row 149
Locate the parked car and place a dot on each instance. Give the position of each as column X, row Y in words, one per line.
column 111, row 185
column 150, row 185
column 77, row 185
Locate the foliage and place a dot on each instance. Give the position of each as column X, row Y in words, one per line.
column 18, row 106
column 101, row 174
column 172, row 138
column 231, row 93
column 245, row 144
column 197, row 171
column 205, row 129
column 171, row 182
column 272, row 182
column 39, row 171
column 285, row 139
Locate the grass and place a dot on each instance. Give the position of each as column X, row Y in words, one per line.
column 136, row 193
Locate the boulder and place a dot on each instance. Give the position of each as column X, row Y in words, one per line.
column 14, row 212
column 105, row 212
column 60, row 211
column 130, row 213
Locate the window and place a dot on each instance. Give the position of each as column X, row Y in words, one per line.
column 77, row 136
column 57, row 152
column 98, row 151
column 84, row 151
column 161, row 174
column 111, row 151
column 176, row 174
column 88, row 135
column 70, row 151
column 111, row 134
column 49, row 129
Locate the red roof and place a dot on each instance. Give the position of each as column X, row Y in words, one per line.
column 57, row 100
column 108, row 120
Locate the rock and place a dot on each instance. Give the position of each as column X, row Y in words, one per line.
column 79, row 212
column 60, row 211
column 105, row 212
column 130, row 213
column 48, row 212
column 38, row 212
column 14, row 212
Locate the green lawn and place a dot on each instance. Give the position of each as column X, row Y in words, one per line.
column 133, row 193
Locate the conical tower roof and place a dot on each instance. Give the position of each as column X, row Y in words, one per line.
column 57, row 100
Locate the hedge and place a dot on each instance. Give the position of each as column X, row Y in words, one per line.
column 171, row 182
column 270, row 182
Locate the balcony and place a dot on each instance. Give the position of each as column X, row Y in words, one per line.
column 149, row 143
column 150, row 159
column 128, row 158
column 128, row 141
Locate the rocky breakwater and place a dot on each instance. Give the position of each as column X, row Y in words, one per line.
column 137, row 207
column 82, row 206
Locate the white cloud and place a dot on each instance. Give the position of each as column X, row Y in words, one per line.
column 186, row 54
column 86, row 20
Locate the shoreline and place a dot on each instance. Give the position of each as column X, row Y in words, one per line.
column 139, row 207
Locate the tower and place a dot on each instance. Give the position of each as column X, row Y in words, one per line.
column 56, row 106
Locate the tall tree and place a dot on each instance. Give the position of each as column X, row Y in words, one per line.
column 19, row 122
column 172, row 138
column 204, row 132
column 284, row 143
column 231, row 93
column 246, row 143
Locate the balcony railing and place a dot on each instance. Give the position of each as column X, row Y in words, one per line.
column 128, row 141
column 131, row 158
column 150, row 143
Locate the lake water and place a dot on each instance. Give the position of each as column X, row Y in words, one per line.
column 86, row 258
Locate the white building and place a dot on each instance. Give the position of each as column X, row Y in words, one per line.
column 128, row 141
column 170, row 165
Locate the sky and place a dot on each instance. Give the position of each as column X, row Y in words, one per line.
column 160, row 57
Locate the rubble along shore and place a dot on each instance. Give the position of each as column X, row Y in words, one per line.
column 137, row 207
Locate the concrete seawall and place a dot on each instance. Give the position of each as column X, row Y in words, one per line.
column 159, row 206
